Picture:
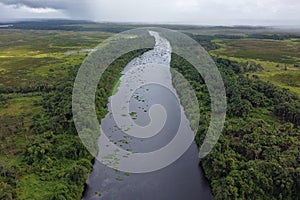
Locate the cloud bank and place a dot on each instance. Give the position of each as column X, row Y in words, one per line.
column 205, row 12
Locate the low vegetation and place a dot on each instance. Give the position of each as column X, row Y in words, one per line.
column 279, row 58
column 42, row 157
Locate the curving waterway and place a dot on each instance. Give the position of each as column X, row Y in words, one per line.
column 183, row 179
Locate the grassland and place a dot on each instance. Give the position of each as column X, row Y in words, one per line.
column 41, row 58
column 29, row 59
column 280, row 59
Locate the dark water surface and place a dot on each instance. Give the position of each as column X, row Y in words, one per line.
column 182, row 180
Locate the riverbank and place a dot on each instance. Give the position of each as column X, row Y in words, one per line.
column 181, row 179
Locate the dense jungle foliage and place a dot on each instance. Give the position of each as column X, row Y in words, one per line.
column 257, row 155
column 55, row 164
column 42, row 157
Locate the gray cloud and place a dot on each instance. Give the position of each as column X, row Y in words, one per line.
column 73, row 9
column 55, row 4
column 215, row 12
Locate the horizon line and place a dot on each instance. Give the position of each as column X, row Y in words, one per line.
column 18, row 20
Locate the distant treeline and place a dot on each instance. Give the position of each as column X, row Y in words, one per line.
column 282, row 36
column 83, row 25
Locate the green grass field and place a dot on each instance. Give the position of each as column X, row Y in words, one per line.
column 279, row 58
column 30, row 57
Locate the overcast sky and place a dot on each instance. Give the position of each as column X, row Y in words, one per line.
column 202, row 12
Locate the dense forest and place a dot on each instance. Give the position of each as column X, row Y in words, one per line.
column 257, row 156
column 55, row 163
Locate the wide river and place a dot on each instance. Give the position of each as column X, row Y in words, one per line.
column 183, row 179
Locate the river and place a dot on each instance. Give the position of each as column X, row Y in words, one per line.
column 183, row 179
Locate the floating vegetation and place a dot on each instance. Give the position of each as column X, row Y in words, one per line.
column 124, row 141
column 98, row 194
column 127, row 174
column 132, row 113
